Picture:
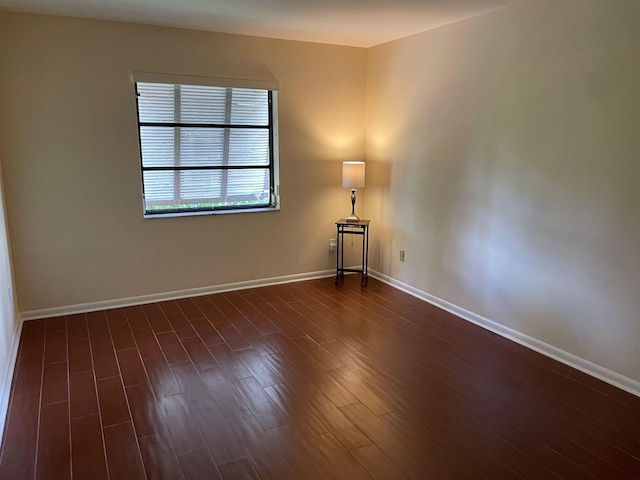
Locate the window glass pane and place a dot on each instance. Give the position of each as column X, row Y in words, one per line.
column 156, row 102
column 157, row 144
column 158, row 187
column 248, row 147
column 193, row 189
column 201, row 146
column 185, row 189
column 249, row 107
column 202, row 104
column 252, row 182
column 200, row 185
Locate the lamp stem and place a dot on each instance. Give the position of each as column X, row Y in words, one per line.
column 353, row 217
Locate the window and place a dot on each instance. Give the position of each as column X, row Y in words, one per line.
column 206, row 148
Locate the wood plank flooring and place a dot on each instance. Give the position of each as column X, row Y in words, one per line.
column 304, row 381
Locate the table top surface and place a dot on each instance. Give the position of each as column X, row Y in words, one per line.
column 359, row 223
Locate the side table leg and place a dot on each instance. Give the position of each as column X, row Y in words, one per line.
column 337, row 254
column 365, row 256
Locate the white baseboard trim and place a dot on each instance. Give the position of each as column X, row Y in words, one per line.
column 5, row 393
column 625, row 383
column 161, row 297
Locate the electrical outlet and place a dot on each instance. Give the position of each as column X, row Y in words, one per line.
column 402, row 255
column 332, row 244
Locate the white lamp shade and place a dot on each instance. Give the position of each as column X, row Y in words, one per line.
column 353, row 174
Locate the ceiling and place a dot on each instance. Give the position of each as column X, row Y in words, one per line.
column 360, row 23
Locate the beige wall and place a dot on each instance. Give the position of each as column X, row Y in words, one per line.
column 69, row 148
column 506, row 151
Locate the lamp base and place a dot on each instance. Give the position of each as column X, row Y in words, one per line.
column 353, row 218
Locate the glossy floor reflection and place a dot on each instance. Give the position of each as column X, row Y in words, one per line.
column 304, row 381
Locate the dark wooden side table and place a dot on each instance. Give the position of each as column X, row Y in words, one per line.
column 361, row 227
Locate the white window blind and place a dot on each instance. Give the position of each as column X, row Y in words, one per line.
column 205, row 147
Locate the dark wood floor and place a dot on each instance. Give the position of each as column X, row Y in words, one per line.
column 304, row 381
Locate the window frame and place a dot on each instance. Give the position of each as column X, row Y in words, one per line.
column 268, row 85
